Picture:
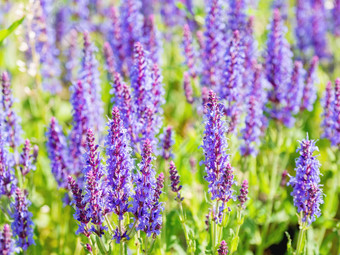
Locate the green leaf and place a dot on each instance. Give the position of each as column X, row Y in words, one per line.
column 6, row 32
column 100, row 245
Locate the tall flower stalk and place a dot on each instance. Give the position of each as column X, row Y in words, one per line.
column 307, row 192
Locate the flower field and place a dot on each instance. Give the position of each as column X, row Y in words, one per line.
column 170, row 127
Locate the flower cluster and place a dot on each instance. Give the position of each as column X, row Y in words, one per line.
column 219, row 172
column 307, row 192
column 174, row 178
column 331, row 114
column 22, row 226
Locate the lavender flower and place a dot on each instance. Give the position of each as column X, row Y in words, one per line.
column 152, row 40
column 145, row 185
column 77, row 137
column 309, row 91
column 95, row 193
column 252, row 131
column 147, row 98
column 284, row 176
column 171, row 15
column 155, row 219
column 307, row 192
column 22, row 226
column 335, row 139
column 167, row 141
column 250, row 47
column 57, row 153
column 232, row 80
column 119, row 165
column 72, row 54
column 243, row 197
column 6, row 242
column 190, row 58
column 11, row 120
column 116, row 41
column 45, row 47
column 89, row 76
column 336, row 19
column 26, row 159
column 187, row 88
column 223, row 249
column 237, row 17
column 303, row 25
column 278, row 65
column 131, row 21
column 214, row 45
column 109, row 60
column 81, row 213
column 123, row 101
column 328, row 103
column 217, row 166
column 7, row 177
column 174, row 178
column 319, row 28
column 294, row 97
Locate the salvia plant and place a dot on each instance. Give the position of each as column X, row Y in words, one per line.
column 169, row 127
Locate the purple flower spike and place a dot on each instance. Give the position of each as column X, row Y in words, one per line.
column 219, row 172
column 12, row 121
column 335, row 140
column 89, row 76
column 57, row 153
column 145, row 184
column 119, row 165
column 243, row 197
column 327, row 122
column 152, row 40
column 45, row 46
column 109, row 60
column 81, row 213
column 336, row 18
column 95, row 193
column 6, row 242
column 174, row 178
column 303, row 25
column 190, row 58
column 319, row 28
column 237, row 16
column 278, row 65
column 78, row 133
column 307, row 192
column 140, row 80
column 123, row 101
column 252, row 131
column 7, row 177
column 223, row 249
column 72, row 54
column 26, row 159
column 309, row 91
column 256, row 121
column 22, row 226
column 116, row 41
column 214, row 45
column 188, row 88
column 294, row 95
column 232, row 80
column 131, row 20
column 167, row 141
column 155, row 220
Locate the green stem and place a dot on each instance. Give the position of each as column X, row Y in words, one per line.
column 109, row 224
column 182, row 220
column 301, row 237
column 235, row 240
